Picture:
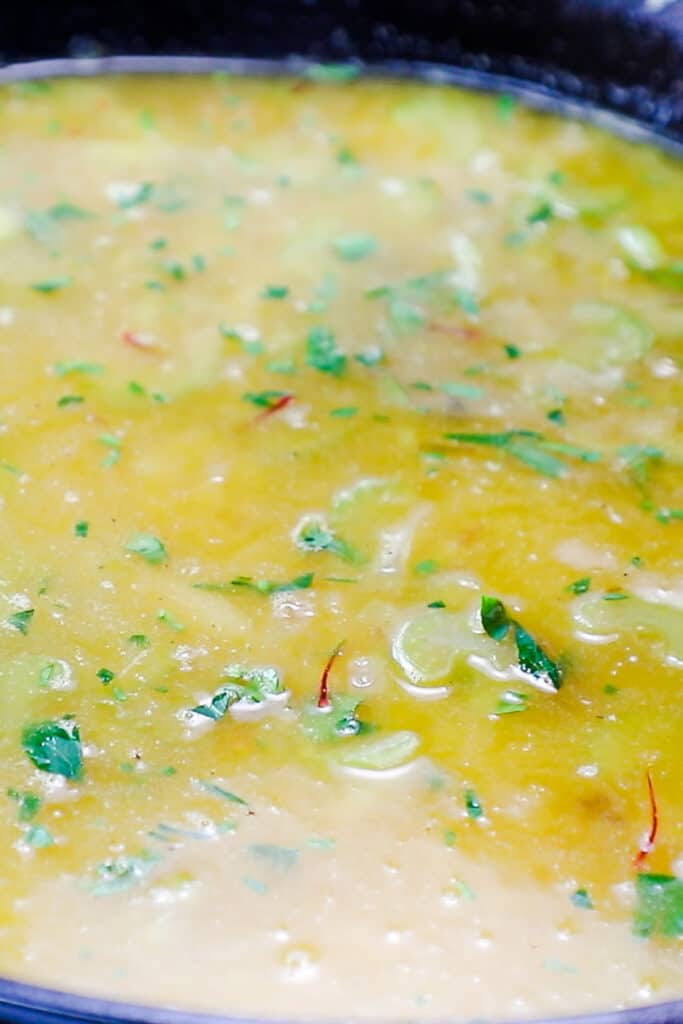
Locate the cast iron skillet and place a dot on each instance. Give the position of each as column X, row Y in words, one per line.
column 616, row 61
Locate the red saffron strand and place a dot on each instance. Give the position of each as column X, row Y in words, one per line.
column 323, row 692
column 278, row 404
column 649, row 843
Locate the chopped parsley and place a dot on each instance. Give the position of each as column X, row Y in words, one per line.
column 21, row 620
column 251, row 684
column 28, row 804
column 51, row 284
column 353, row 248
column 532, row 658
column 38, row 837
column 121, row 873
column 275, row 291
column 70, row 366
column 581, row 899
column 659, row 906
column 54, row 746
column 322, row 352
column 530, row 448
column 81, row 528
column 581, row 586
column 166, row 617
column 426, row 567
column 473, row 807
column 302, row 582
column 105, row 675
column 67, row 400
column 220, row 791
column 313, row 534
column 512, row 702
column 147, row 546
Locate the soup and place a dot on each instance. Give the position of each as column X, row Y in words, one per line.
column 342, row 550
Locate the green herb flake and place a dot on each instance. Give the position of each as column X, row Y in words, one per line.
column 313, row 534
column 426, row 567
column 582, row 900
column 614, row 595
column 105, row 675
column 122, row 873
column 511, row 703
column 302, row 582
column 581, row 586
column 467, row 302
column 531, row 656
column 51, row 284
column 331, row 74
column 354, row 248
column 21, row 620
column 81, row 528
column 512, row 351
column 38, row 837
column 449, row 838
column 477, row 195
column 505, row 107
column 275, row 291
column 263, row 399
column 54, row 746
column 136, row 195
column 370, row 357
column 166, row 617
column 322, row 352
column 225, row 794
column 344, row 412
column 67, row 400
column 254, row 685
column 79, row 366
column 139, row 640
column 556, row 416
column 28, row 804
column 659, row 906
column 540, row 214
column 473, row 807
column 147, row 546
column 530, row 448
column 436, row 604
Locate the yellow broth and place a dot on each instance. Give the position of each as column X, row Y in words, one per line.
column 293, row 375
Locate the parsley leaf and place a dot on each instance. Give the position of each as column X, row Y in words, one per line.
column 77, row 366
column 581, row 899
column 530, row 448
column 54, row 746
column 148, row 547
column 313, row 534
column 473, row 805
column 353, row 248
column 28, row 804
column 322, row 352
column 302, row 582
column 581, row 586
column 51, row 284
column 659, row 909
column 532, row 658
column 122, row 872
column 252, row 684
column 21, row 620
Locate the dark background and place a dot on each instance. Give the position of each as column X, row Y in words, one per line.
column 616, row 53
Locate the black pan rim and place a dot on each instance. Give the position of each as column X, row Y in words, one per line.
column 37, row 1004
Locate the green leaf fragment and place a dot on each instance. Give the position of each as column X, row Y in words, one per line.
column 147, row 546
column 511, row 703
column 322, row 353
column 531, row 656
column 659, row 906
column 494, row 618
column 38, row 837
column 473, row 807
column 21, row 620
column 70, row 366
column 581, row 899
column 254, row 685
column 581, row 586
column 122, row 873
column 354, row 248
column 54, row 746
column 267, row 587
column 81, row 528
column 28, row 804
column 313, row 534
column 51, row 284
